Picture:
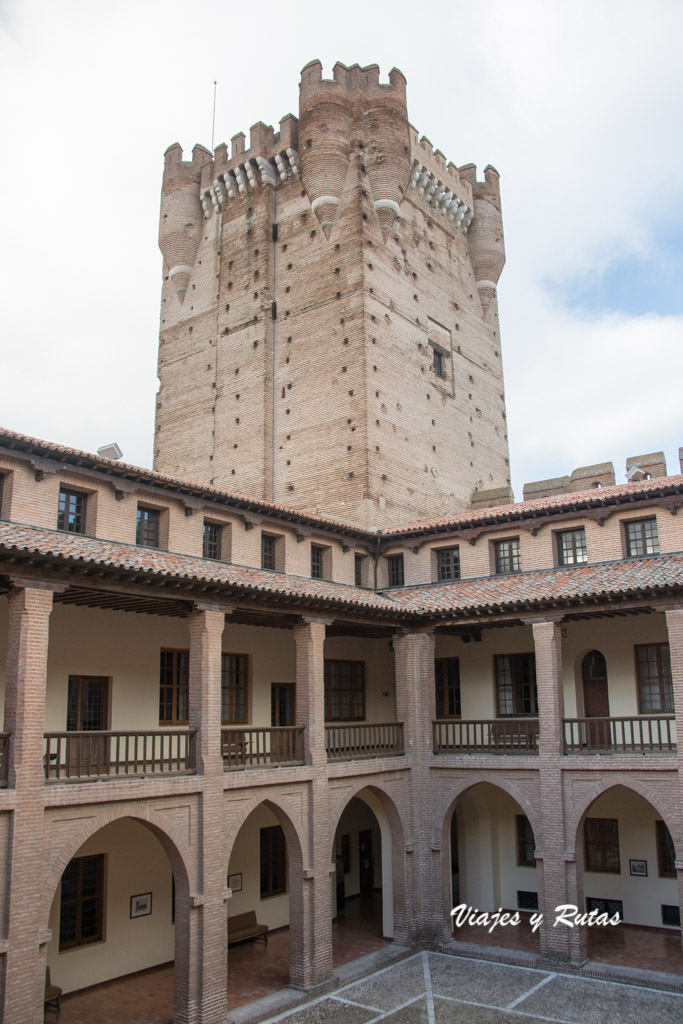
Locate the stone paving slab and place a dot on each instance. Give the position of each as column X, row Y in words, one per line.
column 447, row 1012
column 480, row 981
column 600, row 1002
column 329, row 1011
column 391, row 987
column 416, row 1013
column 434, row 988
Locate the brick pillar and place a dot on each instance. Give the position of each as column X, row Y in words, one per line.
column 416, row 708
column 674, row 625
column 310, row 909
column 207, row 942
column 29, row 607
column 555, row 942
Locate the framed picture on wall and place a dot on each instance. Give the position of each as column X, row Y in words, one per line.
column 638, row 867
column 235, row 882
column 141, row 906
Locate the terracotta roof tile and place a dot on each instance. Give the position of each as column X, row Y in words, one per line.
column 575, row 501
column 540, row 587
column 458, row 598
column 88, row 551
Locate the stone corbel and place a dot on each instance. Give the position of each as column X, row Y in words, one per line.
column 302, row 532
column 600, row 515
column 43, row 466
column 249, row 521
column 191, row 505
column 471, row 536
column 213, row 606
column 121, row 488
column 27, row 583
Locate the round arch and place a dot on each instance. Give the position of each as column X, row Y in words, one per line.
column 446, row 806
column 182, row 863
column 667, row 812
column 176, row 848
column 392, row 833
column 444, row 814
column 295, row 839
column 298, row 918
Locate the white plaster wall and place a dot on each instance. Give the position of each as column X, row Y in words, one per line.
column 642, row 897
column 124, row 647
column 489, row 874
column 615, row 638
column 379, row 673
column 356, row 817
column 135, row 862
column 245, row 859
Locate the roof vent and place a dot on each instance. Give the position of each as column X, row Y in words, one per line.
column 110, row 451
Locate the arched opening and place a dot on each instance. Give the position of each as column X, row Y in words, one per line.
column 119, row 923
column 626, row 866
column 264, row 876
column 489, row 865
column 362, row 889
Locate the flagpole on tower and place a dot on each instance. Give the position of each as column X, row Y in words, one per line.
column 213, row 120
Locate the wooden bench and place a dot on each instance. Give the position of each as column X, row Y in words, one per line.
column 245, row 926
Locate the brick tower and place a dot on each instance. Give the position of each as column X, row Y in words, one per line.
column 329, row 327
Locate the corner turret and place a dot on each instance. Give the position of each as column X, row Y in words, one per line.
column 486, row 243
column 180, row 218
column 325, row 138
column 353, row 114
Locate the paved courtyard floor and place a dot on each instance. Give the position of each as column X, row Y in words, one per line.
column 436, row 988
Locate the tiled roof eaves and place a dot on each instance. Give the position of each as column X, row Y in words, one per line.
column 142, row 476
column 568, row 585
column 577, row 501
column 654, row 575
column 74, row 550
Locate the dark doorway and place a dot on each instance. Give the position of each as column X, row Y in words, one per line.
column 596, row 700
column 365, row 861
column 88, row 711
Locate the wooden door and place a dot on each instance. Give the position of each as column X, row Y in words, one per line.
column 87, row 711
column 365, row 861
column 596, row 700
column 281, row 714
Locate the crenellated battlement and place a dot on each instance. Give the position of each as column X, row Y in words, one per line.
column 179, row 171
column 354, row 79
column 651, row 466
column 319, row 295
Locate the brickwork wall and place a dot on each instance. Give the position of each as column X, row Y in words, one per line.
column 333, row 405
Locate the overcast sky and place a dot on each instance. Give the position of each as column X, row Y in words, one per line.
column 577, row 104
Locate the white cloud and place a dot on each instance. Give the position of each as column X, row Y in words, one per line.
column 576, row 104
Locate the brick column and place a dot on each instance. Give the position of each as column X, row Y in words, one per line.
column 557, row 944
column 29, row 607
column 310, row 910
column 416, row 708
column 674, row 625
column 207, row 939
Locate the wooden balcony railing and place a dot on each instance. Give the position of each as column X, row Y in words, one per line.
column 371, row 739
column 486, row 736
column 647, row 735
column 79, row 756
column 262, row 748
column 4, row 757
